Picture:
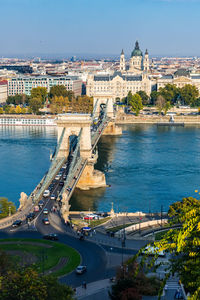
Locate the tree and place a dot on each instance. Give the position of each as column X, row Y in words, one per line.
column 18, row 109
column 35, row 104
column 39, row 93
column 189, row 94
column 1, row 110
column 6, row 207
column 167, row 107
column 23, row 284
column 59, row 104
column 144, row 96
column 153, row 97
column 170, row 92
column 136, row 103
column 183, row 243
column 129, row 97
column 58, row 90
column 160, row 103
column 17, row 99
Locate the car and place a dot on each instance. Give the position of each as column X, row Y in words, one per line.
column 64, row 177
column 30, row 216
column 17, row 223
column 61, row 183
column 51, row 236
column 69, row 189
column 36, row 208
column 46, row 193
column 45, row 221
column 81, row 269
column 41, row 203
column 64, row 166
column 53, row 197
column 57, row 177
column 45, row 211
column 88, row 217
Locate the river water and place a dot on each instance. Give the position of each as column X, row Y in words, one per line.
column 146, row 167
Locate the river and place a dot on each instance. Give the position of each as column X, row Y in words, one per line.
column 146, row 167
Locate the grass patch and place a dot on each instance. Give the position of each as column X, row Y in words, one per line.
column 119, row 227
column 47, row 258
column 94, row 223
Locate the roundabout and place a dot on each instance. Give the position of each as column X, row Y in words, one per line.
column 45, row 256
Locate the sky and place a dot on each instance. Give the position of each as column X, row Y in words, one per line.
column 99, row 27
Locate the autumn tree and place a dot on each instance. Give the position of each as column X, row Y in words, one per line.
column 160, row 103
column 1, row 110
column 18, row 109
column 136, row 103
column 6, row 207
column 59, row 104
column 39, row 93
column 166, row 107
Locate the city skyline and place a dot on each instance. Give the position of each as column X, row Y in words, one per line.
column 85, row 28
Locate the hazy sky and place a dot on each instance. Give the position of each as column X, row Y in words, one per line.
column 166, row 27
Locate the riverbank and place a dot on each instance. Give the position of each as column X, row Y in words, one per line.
column 154, row 119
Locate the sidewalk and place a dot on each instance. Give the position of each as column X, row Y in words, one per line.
column 93, row 289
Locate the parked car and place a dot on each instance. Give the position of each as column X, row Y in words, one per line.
column 30, row 216
column 57, row 177
column 46, row 193
column 53, row 197
column 45, row 211
column 45, row 221
column 17, row 223
column 36, row 208
column 81, row 269
column 61, row 183
column 41, row 203
column 51, row 236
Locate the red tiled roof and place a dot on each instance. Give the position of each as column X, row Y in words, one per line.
column 3, row 82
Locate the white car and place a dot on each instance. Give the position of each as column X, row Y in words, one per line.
column 81, row 269
column 57, row 177
column 45, row 211
column 46, row 193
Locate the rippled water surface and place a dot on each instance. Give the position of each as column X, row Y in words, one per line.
column 147, row 166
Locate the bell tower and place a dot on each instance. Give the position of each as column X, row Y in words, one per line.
column 146, row 62
column 122, row 62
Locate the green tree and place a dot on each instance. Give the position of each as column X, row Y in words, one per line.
column 39, row 93
column 153, row 97
column 17, row 99
column 35, row 104
column 144, row 96
column 24, row 284
column 58, row 90
column 129, row 97
column 160, row 103
column 183, row 244
column 189, row 94
column 6, row 207
column 167, row 107
column 170, row 92
column 136, row 103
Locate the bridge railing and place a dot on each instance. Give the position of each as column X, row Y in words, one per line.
column 74, row 165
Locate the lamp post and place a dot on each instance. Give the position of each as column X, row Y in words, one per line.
column 9, row 211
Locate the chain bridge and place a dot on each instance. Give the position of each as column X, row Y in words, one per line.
column 76, row 151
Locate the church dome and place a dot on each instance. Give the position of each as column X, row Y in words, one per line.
column 136, row 51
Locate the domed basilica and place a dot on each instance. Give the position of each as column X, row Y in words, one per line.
column 137, row 63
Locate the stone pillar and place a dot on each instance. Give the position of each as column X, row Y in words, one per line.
column 112, row 129
column 73, row 123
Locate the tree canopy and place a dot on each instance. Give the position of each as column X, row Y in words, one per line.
column 35, row 104
column 60, row 90
column 39, row 93
column 6, row 207
column 144, row 96
column 135, row 101
column 183, row 243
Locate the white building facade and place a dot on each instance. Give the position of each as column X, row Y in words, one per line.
column 24, row 84
column 3, row 91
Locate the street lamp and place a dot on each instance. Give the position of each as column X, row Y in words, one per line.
column 9, row 213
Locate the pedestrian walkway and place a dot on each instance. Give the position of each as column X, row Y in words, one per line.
column 93, row 288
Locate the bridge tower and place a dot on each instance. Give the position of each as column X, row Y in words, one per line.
column 73, row 123
column 109, row 100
